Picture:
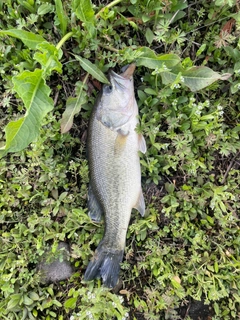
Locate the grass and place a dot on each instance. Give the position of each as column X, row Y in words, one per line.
column 187, row 246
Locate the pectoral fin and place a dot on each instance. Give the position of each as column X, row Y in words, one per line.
column 120, row 141
column 95, row 211
column 142, row 144
column 140, row 206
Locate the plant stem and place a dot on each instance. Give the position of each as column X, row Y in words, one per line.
column 111, row 4
column 108, row 48
column 64, row 39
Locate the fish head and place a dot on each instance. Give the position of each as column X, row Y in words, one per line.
column 117, row 103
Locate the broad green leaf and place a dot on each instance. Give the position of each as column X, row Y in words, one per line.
column 29, row 5
column 14, row 301
column 92, row 69
column 195, row 78
column 70, row 303
column 30, row 39
column 83, row 10
column 34, row 296
column 201, row 49
column 149, row 35
column 237, row 67
column 149, row 59
column 57, row 303
column 48, row 57
column 170, row 187
column 179, row 5
column 45, row 8
column 145, row 18
column 73, row 106
column 27, row 301
column 150, row 91
column 198, row 78
column 234, row 53
column 62, row 17
column 34, row 92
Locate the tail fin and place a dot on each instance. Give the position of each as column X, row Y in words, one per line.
column 105, row 264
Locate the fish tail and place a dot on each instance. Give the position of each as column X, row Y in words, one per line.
column 106, row 265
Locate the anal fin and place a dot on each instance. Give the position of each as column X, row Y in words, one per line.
column 140, row 205
column 95, row 211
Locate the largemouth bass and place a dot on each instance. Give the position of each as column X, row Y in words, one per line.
column 115, row 175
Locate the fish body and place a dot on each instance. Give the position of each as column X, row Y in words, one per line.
column 115, row 175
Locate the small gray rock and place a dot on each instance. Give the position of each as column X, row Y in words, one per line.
column 54, row 268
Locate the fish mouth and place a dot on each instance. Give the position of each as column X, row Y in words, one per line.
column 119, row 79
column 128, row 71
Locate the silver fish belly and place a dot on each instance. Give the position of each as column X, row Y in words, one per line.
column 115, row 174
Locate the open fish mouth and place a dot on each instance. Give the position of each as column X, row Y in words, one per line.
column 127, row 71
column 119, row 79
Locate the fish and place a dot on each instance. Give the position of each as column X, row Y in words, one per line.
column 115, row 174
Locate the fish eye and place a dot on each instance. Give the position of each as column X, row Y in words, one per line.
column 107, row 89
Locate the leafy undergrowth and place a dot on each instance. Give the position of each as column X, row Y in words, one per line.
column 187, row 246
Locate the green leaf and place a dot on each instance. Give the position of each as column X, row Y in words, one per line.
column 176, row 282
column 198, row 78
column 73, row 107
column 70, row 303
column 15, row 299
column 57, row 303
column 149, row 35
column 195, row 78
column 222, row 206
column 92, row 69
column 216, row 268
column 83, row 10
column 201, row 49
column 31, row 87
column 48, row 57
column 237, row 67
column 35, row 313
column 170, row 187
column 30, row 39
column 50, row 291
column 62, row 17
column 150, row 91
column 45, row 8
column 29, row 5
column 27, row 301
column 34, row 296
column 149, row 59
